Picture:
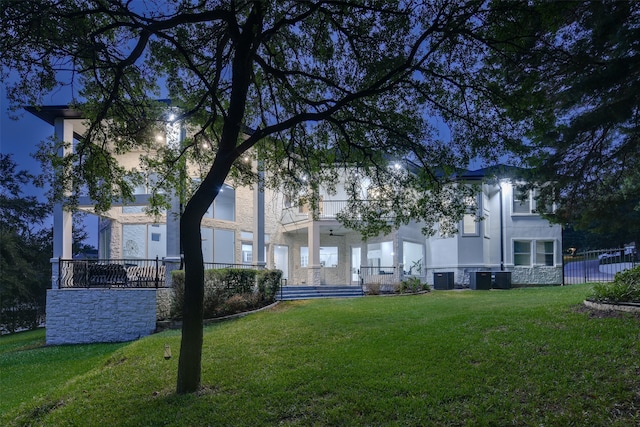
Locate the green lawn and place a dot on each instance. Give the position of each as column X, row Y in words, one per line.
column 518, row 357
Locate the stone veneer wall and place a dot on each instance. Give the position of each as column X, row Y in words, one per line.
column 537, row 275
column 164, row 302
column 77, row 316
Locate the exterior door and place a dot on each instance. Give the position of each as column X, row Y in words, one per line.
column 281, row 259
column 355, row 264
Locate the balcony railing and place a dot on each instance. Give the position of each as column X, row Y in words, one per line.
column 379, row 275
column 111, row 273
column 327, row 209
column 219, row 265
column 122, row 273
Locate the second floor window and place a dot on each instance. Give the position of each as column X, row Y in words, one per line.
column 524, row 202
column 224, row 205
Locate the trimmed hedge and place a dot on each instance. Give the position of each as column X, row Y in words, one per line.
column 230, row 290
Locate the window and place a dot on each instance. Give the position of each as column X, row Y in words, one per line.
column 328, row 256
column 132, row 209
column 522, row 252
column 224, row 205
column 524, row 202
column 380, row 254
column 469, row 220
column 469, row 225
column 544, row 253
column 223, row 246
column 218, row 245
column 144, row 241
column 413, row 258
column 304, row 256
column 247, row 253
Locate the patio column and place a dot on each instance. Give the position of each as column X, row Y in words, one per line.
column 399, row 256
column 175, row 134
column 258, row 218
column 62, row 218
column 313, row 240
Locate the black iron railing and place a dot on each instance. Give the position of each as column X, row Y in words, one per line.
column 219, row 265
column 110, row 273
column 598, row 266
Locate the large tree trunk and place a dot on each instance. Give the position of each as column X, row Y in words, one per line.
column 189, row 365
column 190, row 362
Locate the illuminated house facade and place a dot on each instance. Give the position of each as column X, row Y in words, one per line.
column 245, row 226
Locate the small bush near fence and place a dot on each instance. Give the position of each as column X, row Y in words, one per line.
column 230, row 290
column 624, row 288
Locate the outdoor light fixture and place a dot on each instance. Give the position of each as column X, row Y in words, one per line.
column 167, row 352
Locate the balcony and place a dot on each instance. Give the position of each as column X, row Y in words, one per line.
column 327, row 209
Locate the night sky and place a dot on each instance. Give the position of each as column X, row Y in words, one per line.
column 21, row 137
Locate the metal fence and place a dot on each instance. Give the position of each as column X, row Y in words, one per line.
column 220, row 265
column 379, row 275
column 110, row 273
column 122, row 273
column 598, row 266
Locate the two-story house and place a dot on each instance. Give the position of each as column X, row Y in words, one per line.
column 245, row 226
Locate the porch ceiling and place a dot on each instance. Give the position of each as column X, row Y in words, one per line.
column 326, row 228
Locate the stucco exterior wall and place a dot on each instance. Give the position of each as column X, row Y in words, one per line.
column 76, row 316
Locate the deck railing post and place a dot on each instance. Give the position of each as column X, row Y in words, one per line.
column 157, row 279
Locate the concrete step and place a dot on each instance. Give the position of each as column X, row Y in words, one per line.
column 308, row 292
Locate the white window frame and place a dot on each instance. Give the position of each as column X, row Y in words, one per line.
column 536, row 257
column 544, row 254
column 470, row 225
column 526, row 243
column 518, row 206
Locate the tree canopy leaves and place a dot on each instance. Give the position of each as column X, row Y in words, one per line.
column 570, row 74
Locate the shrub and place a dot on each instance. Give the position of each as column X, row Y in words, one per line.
column 372, row 288
column 413, row 285
column 269, row 284
column 222, row 286
column 624, row 288
column 236, row 304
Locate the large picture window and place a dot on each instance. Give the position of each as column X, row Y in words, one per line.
column 413, row 258
column 144, row 241
column 328, row 256
column 380, row 254
column 218, row 245
column 224, row 205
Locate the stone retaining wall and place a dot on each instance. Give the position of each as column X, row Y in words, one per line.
column 76, row 316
